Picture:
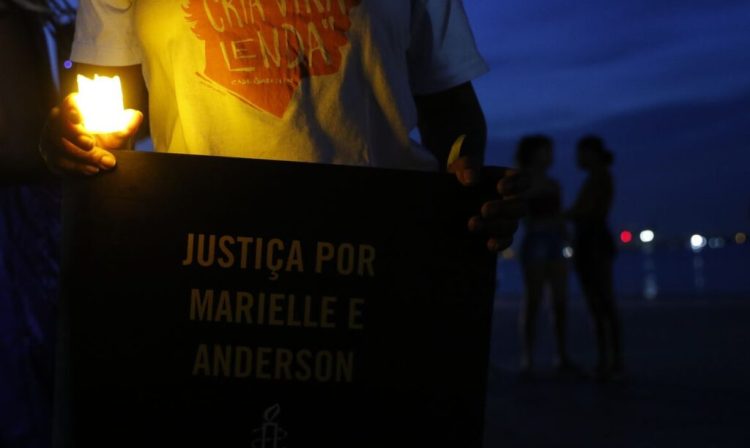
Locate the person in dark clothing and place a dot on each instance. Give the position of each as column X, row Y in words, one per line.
column 30, row 227
column 594, row 250
column 542, row 248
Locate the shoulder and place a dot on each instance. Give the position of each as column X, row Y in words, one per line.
column 443, row 52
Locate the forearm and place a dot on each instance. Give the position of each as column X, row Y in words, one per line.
column 446, row 116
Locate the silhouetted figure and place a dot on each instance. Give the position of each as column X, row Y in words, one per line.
column 29, row 228
column 542, row 248
column 594, row 250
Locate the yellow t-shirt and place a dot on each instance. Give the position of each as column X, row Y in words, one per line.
column 326, row 81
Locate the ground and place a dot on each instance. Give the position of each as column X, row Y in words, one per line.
column 688, row 381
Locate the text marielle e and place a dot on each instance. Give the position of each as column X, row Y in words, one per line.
column 261, row 308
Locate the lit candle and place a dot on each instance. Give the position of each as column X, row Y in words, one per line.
column 101, row 105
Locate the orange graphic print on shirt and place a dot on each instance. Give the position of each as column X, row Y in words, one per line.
column 261, row 50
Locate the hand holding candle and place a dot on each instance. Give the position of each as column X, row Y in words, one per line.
column 83, row 130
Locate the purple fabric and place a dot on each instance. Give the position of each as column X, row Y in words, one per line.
column 29, row 268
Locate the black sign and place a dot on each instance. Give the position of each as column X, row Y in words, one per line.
column 239, row 303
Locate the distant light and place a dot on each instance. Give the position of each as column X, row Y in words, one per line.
column 626, row 236
column 647, row 236
column 509, row 254
column 568, row 252
column 650, row 287
column 68, row 64
column 716, row 243
column 698, row 242
column 740, row 238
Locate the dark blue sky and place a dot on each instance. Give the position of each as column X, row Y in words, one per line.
column 665, row 82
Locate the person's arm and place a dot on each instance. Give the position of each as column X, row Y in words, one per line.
column 583, row 205
column 68, row 148
column 594, row 199
column 26, row 93
column 446, row 116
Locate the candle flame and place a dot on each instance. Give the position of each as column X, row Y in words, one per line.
column 272, row 413
column 101, row 105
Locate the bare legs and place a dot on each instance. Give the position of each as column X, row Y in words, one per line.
column 534, row 279
column 558, row 275
column 596, row 280
column 537, row 276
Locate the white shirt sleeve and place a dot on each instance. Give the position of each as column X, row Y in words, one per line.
column 443, row 52
column 105, row 34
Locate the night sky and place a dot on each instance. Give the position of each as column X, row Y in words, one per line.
column 665, row 82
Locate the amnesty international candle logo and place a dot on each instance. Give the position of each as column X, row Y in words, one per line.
column 270, row 434
column 261, row 50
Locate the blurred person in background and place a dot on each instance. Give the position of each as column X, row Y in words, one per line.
column 542, row 260
column 594, row 250
column 29, row 223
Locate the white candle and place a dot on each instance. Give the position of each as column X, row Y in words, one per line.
column 101, row 105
